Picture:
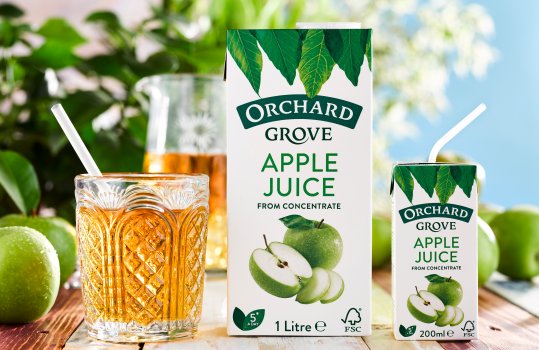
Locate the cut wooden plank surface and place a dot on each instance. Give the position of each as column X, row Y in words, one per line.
column 522, row 293
column 51, row 331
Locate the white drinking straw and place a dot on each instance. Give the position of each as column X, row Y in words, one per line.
column 454, row 131
column 75, row 140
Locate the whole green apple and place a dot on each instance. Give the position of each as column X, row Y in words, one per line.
column 488, row 254
column 381, row 240
column 448, row 290
column 58, row 231
column 29, row 275
column 517, row 232
column 318, row 242
column 489, row 211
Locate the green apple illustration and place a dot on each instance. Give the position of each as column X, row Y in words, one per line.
column 316, row 288
column 335, row 290
column 279, row 269
column 381, row 240
column 318, row 242
column 488, row 254
column 425, row 306
column 517, row 232
column 459, row 316
column 447, row 316
column 448, row 290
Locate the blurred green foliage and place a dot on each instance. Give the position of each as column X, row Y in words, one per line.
column 191, row 38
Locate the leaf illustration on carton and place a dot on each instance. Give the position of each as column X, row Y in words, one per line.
column 445, row 184
column 283, row 48
column 316, row 63
column 425, row 177
column 244, row 50
column 297, row 222
column 405, row 181
column 368, row 49
column 464, row 176
column 347, row 48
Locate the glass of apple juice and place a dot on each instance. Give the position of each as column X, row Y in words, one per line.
column 142, row 243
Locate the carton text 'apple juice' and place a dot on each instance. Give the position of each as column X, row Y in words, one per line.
column 434, row 251
column 299, row 181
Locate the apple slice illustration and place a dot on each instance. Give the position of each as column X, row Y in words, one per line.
column 425, row 306
column 316, row 288
column 336, row 287
column 459, row 316
column 279, row 269
column 447, row 316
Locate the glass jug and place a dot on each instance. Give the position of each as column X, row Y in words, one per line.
column 186, row 134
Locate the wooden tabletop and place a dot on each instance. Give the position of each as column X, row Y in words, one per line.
column 508, row 322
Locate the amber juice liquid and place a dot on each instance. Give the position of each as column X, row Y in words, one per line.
column 213, row 165
column 142, row 265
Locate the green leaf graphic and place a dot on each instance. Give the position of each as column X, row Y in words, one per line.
column 405, row 181
column 445, row 184
column 368, row 49
column 283, row 48
column 407, row 332
column 297, row 221
column 435, row 278
column 238, row 317
column 316, row 63
column 464, row 176
column 425, row 177
column 244, row 49
column 347, row 49
column 253, row 319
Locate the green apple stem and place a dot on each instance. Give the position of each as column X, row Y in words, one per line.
column 320, row 223
column 281, row 264
column 419, row 295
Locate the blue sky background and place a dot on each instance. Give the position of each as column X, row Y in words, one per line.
column 505, row 139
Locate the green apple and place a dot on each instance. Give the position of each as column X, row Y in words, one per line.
column 517, row 232
column 425, row 306
column 336, row 288
column 459, row 316
column 58, row 231
column 381, row 240
column 318, row 242
column 316, row 288
column 447, row 316
column 279, row 269
column 448, row 290
column 29, row 275
column 488, row 253
column 489, row 211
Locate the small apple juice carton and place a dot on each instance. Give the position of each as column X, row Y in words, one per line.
column 299, row 182
column 434, row 251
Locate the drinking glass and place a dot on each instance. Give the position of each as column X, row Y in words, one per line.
column 142, row 242
column 186, row 133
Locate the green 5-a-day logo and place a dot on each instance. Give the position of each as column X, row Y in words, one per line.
column 250, row 321
column 311, row 53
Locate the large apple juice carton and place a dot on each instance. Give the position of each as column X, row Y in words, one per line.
column 434, row 251
column 299, row 182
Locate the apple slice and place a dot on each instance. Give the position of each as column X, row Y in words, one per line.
column 459, row 316
column 336, row 287
column 280, row 270
column 425, row 306
column 315, row 289
column 447, row 316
